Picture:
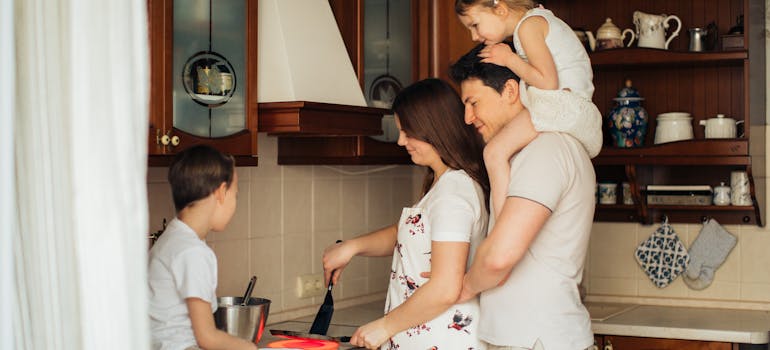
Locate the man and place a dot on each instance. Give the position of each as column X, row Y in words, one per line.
column 528, row 268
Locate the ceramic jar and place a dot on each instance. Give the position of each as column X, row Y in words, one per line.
column 627, row 122
column 673, row 126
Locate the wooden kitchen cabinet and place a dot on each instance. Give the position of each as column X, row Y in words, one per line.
column 613, row 342
column 197, row 121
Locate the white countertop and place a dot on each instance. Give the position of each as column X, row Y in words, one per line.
column 688, row 323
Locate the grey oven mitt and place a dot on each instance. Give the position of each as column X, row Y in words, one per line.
column 662, row 256
column 707, row 253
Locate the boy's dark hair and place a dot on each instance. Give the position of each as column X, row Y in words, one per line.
column 469, row 66
column 197, row 172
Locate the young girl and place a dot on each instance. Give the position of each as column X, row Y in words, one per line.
column 555, row 72
column 438, row 234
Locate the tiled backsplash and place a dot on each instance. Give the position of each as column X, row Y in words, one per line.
column 287, row 215
column 743, row 278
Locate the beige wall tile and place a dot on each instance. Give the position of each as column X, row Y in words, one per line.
column 265, row 255
column 379, row 203
column 755, row 260
column 297, row 261
column 718, row 291
column 266, row 207
column 379, row 274
column 352, row 286
column 676, row 289
column 402, row 192
column 611, row 249
column 354, row 205
column 755, row 292
column 613, row 286
column 232, row 263
column 327, row 198
column 297, row 207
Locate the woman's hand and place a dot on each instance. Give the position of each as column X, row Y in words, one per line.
column 335, row 258
column 372, row 334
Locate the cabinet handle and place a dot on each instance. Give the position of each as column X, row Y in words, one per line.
column 165, row 140
column 175, row 140
column 608, row 345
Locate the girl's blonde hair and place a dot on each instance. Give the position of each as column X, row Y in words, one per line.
column 462, row 5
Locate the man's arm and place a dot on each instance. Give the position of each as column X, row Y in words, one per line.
column 517, row 226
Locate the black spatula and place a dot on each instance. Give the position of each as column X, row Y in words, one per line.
column 325, row 312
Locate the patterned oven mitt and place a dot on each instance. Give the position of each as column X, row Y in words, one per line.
column 662, row 256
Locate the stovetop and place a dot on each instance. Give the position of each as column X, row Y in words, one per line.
column 335, row 330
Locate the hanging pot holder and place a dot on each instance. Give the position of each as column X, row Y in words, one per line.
column 662, row 256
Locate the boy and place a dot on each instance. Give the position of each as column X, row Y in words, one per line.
column 183, row 269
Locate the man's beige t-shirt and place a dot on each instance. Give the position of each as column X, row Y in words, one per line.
column 540, row 300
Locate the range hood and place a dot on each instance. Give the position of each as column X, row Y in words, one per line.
column 306, row 82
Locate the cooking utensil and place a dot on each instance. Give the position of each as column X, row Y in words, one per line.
column 324, row 316
column 246, row 322
column 303, row 335
column 247, row 295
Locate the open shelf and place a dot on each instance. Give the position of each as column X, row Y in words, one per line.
column 687, row 152
column 646, row 56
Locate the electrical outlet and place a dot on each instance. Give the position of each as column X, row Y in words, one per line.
column 310, row 285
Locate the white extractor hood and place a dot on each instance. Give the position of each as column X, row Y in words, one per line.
column 306, row 82
column 302, row 56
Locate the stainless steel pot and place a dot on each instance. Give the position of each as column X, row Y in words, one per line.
column 245, row 322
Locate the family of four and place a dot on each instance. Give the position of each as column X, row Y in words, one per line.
column 491, row 255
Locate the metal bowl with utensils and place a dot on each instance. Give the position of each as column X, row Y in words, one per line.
column 243, row 317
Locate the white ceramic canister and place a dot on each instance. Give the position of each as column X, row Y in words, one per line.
column 673, row 126
column 720, row 127
column 739, row 188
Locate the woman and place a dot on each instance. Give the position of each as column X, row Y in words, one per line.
column 438, row 234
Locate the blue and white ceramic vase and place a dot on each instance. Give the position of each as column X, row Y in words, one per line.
column 627, row 122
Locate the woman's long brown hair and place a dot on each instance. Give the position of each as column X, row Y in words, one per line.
column 430, row 110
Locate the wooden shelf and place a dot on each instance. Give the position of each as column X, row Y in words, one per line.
column 688, row 152
column 646, row 56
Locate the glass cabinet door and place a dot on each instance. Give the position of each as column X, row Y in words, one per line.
column 208, row 77
column 387, row 50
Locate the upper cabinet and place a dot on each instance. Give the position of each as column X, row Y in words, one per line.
column 203, row 87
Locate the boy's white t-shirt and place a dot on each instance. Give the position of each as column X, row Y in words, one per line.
column 181, row 266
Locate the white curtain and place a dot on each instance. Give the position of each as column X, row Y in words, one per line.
column 80, row 230
column 7, row 193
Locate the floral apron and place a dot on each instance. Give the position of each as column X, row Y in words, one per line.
column 456, row 328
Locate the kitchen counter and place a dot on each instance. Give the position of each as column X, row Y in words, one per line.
column 668, row 322
column 688, row 323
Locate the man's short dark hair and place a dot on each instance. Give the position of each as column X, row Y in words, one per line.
column 197, row 172
column 469, row 66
